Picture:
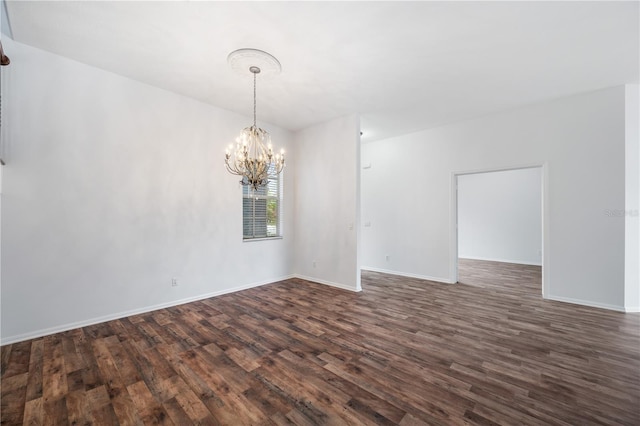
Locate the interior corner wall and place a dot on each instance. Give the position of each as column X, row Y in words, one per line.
column 327, row 203
column 407, row 192
column 500, row 216
column 632, row 198
column 111, row 189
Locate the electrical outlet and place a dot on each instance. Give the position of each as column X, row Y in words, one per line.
column 387, row 257
column 314, row 263
column 174, row 282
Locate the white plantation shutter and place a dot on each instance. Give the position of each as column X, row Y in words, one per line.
column 261, row 209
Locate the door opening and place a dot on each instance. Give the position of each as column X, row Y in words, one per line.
column 499, row 236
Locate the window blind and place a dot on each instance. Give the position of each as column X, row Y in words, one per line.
column 261, row 209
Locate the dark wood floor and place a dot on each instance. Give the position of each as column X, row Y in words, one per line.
column 404, row 351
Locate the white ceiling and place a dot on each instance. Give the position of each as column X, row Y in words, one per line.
column 404, row 66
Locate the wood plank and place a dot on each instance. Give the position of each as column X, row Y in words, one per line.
column 230, row 392
column 78, row 411
column 54, row 379
column 149, row 409
column 121, row 402
column 5, row 355
column 33, row 412
column 17, row 359
column 90, row 373
column 12, row 400
column 55, row 411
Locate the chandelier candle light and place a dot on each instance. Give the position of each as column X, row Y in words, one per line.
column 252, row 158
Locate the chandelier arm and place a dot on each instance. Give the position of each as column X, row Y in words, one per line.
column 234, row 169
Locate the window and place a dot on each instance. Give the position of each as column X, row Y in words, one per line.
column 261, row 209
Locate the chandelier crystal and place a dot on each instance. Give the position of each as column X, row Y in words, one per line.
column 252, row 157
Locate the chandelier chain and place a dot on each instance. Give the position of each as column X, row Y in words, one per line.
column 254, row 99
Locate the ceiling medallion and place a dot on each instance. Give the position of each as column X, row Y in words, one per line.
column 242, row 59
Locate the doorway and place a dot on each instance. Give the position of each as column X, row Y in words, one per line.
column 499, row 228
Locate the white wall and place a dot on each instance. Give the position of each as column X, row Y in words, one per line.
column 632, row 199
column 327, row 203
column 500, row 216
column 112, row 188
column 409, row 202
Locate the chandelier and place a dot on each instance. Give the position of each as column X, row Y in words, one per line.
column 252, row 157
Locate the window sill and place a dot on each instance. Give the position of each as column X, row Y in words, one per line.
column 250, row 240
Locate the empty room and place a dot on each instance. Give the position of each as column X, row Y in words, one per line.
column 319, row 213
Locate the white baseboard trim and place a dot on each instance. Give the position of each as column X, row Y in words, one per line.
column 408, row 274
column 92, row 321
column 586, row 303
column 329, row 283
column 632, row 309
column 517, row 262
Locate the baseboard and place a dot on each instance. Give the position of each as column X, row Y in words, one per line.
column 329, row 283
column 408, row 274
column 517, row 262
column 632, row 309
column 587, row 303
column 71, row 326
